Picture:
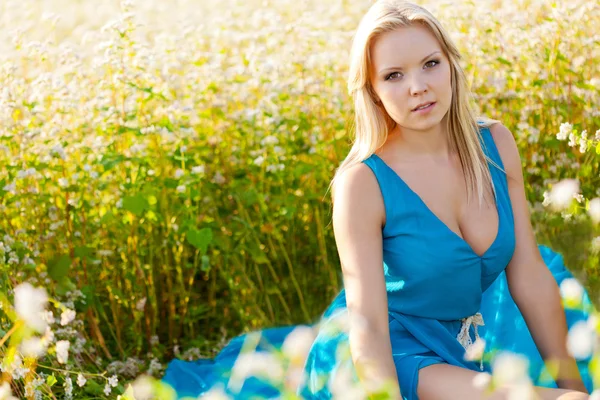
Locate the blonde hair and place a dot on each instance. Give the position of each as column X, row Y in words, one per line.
column 372, row 123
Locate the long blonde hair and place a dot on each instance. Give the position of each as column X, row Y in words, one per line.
column 373, row 124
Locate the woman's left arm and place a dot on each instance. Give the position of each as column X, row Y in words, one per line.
column 530, row 282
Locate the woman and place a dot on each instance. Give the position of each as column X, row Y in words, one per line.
column 437, row 197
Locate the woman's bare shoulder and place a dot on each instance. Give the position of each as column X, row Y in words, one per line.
column 357, row 191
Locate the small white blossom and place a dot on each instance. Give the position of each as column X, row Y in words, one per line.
column 107, row 389
column 33, row 347
column 62, row 351
column 67, row 317
column 297, row 343
column 81, row 380
column 562, row 193
column 6, row 392
column 270, row 140
column 510, row 368
column 565, row 129
column 30, row 303
column 219, row 178
column 571, row 290
column 482, row 380
column 259, row 160
column 142, row 388
column 573, row 140
column 199, row 169
column 594, row 210
column 179, row 173
column 181, row 189
column 68, row 386
column 581, row 340
column 113, row 381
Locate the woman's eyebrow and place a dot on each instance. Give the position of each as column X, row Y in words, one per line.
column 385, row 69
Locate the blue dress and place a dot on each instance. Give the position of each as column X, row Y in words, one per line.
column 440, row 292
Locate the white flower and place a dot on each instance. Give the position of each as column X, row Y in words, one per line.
column 81, row 380
column 140, row 304
column 269, row 140
column 573, row 140
column 107, row 389
column 68, row 385
column 179, row 173
column 219, row 178
column 67, row 316
column 581, row 340
column 595, row 245
column 63, row 182
column 62, row 351
column 6, row 393
column 113, row 381
column 562, row 193
column 343, row 386
column 482, row 380
column 198, row 169
column 181, row 188
column 142, row 388
column 48, row 316
column 30, row 304
column 33, row 347
column 565, row 129
column 12, row 188
column 215, row 393
column 258, row 364
column 297, row 344
column 510, row 369
column 571, row 290
column 594, row 210
column 259, row 160
column 583, row 142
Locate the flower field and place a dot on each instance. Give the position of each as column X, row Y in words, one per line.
column 164, row 170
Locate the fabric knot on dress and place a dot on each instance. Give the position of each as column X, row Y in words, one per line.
column 463, row 336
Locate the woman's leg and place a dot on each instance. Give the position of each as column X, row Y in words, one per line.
column 443, row 381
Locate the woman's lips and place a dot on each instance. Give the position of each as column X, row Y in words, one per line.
column 426, row 109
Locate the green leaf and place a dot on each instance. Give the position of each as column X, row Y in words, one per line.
column 258, row 256
column 205, row 263
column 59, row 267
column 135, row 204
column 64, row 285
column 503, row 60
column 51, row 380
column 200, row 239
column 83, row 251
column 598, row 148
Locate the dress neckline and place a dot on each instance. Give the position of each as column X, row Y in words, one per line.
column 434, row 215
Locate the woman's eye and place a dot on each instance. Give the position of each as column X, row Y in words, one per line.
column 436, row 62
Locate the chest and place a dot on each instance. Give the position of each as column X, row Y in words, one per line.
column 442, row 191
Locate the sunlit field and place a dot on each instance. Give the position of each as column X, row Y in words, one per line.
column 164, row 168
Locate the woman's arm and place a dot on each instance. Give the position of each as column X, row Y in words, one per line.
column 358, row 214
column 530, row 282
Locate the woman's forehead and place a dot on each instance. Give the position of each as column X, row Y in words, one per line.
column 403, row 47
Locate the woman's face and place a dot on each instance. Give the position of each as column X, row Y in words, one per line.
column 409, row 69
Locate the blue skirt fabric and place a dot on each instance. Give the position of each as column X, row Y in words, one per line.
column 416, row 343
